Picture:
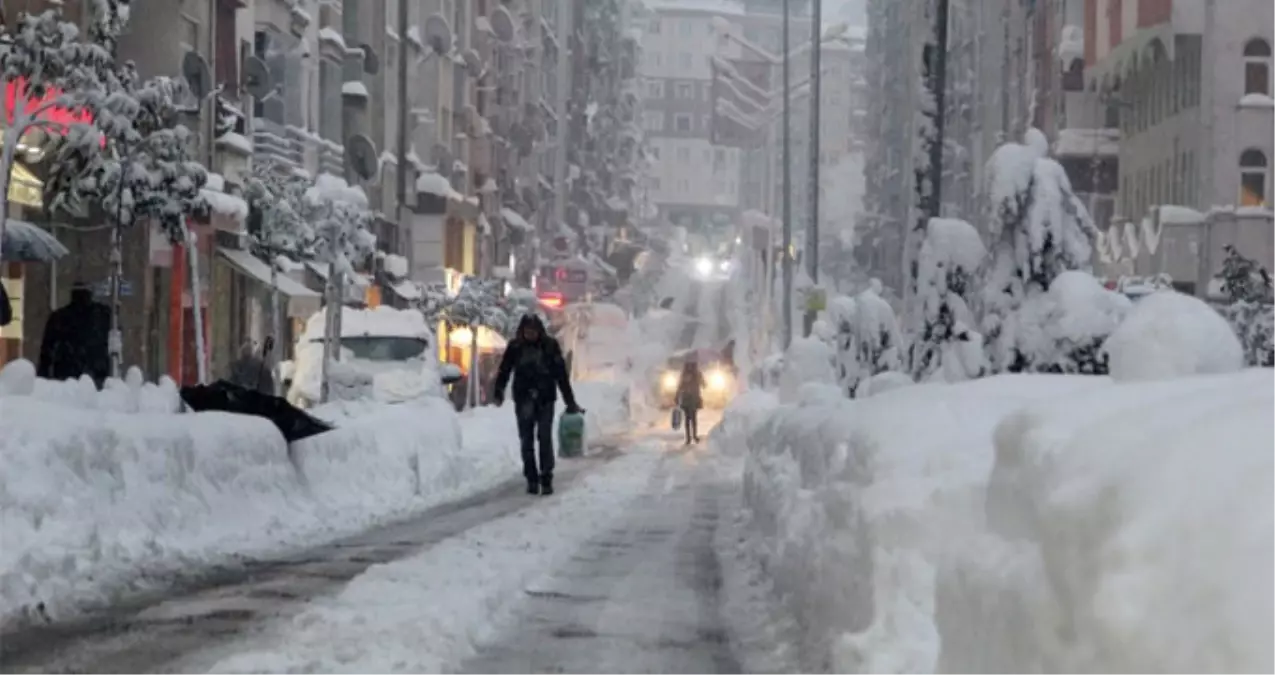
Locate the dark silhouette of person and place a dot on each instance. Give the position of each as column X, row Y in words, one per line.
column 539, row 369
column 75, row 339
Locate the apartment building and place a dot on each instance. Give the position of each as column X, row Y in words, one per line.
column 1193, row 84
column 693, row 182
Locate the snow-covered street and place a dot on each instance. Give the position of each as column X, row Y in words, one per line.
column 617, row 573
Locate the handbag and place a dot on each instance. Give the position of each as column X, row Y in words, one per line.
column 677, row 419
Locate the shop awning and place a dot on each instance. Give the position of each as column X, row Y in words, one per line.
column 302, row 302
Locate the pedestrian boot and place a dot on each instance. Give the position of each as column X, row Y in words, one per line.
column 546, row 485
column 533, row 486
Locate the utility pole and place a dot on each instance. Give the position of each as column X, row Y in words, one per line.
column 400, row 175
column 561, row 98
column 787, row 184
column 812, row 232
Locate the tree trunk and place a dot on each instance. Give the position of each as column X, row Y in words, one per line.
column 471, row 396
column 331, row 309
column 196, row 296
column 276, row 326
column 115, row 341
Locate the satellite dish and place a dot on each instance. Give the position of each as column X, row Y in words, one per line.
column 256, row 77
column 197, row 75
column 473, row 63
column 361, row 158
column 371, row 63
column 438, row 33
column 502, row 24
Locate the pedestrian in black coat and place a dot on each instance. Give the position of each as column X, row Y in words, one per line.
column 6, row 309
column 535, row 361
column 75, row 339
column 690, row 398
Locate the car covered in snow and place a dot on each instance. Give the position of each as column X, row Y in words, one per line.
column 719, row 377
column 386, row 353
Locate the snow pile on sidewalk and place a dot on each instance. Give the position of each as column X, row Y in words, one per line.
column 131, row 394
column 428, row 613
column 96, row 503
column 851, row 501
column 1130, row 530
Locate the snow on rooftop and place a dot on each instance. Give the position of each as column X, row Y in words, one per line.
column 382, row 321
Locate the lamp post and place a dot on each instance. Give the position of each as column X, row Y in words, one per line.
column 786, row 202
column 812, row 232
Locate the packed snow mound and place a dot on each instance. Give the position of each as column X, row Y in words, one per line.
column 1138, row 516
column 807, row 360
column 98, row 503
column 129, row 395
column 1169, row 335
column 852, row 504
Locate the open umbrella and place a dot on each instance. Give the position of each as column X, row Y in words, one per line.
column 28, row 242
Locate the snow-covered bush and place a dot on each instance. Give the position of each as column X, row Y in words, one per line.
column 277, row 225
column 342, row 223
column 1040, row 229
column 944, row 343
column 840, row 319
column 807, row 361
column 878, row 344
column 1169, row 335
column 1246, row 286
column 1062, row 330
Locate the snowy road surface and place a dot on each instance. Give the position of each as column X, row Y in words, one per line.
column 615, row 573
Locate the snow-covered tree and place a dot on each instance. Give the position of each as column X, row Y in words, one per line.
column 519, row 303
column 947, row 264
column 877, row 341
column 1063, row 329
column 1246, row 286
column 45, row 57
column 276, row 227
column 433, row 303
column 840, row 318
column 1039, row 230
column 342, row 221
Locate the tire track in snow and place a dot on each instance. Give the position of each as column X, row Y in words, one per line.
column 643, row 595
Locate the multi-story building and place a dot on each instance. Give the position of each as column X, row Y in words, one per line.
column 1193, row 84
column 693, row 182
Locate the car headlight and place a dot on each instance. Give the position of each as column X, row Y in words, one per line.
column 669, row 382
column 704, row 266
column 718, row 380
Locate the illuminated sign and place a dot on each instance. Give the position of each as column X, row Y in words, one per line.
column 15, row 92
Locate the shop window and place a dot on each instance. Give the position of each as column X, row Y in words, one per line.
column 1254, row 169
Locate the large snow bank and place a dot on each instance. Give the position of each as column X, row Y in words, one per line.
column 1169, row 334
column 97, row 502
column 129, row 395
column 851, row 501
column 1130, row 531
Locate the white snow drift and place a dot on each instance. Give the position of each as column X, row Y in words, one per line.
column 95, row 501
column 1106, row 528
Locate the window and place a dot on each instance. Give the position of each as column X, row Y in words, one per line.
column 1257, row 67
column 682, row 122
column 190, row 32
column 1253, row 173
column 653, row 120
column 656, row 60
column 719, row 156
column 684, row 60
column 683, row 185
column 684, row 155
column 686, row 28
column 655, row 26
column 655, row 89
column 685, row 90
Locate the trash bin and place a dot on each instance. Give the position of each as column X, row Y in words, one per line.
column 571, row 435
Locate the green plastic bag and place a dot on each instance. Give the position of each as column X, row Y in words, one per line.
column 571, row 435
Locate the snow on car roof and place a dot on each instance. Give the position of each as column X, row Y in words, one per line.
column 380, row 321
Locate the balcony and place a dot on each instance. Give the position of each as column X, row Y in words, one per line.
column 271, row 141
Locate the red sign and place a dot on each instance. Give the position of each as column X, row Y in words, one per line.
column 15, row 94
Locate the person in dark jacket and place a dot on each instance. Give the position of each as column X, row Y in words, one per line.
column 6, row 309
column 75, row 339
column 535, row 361
column 690, row 398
